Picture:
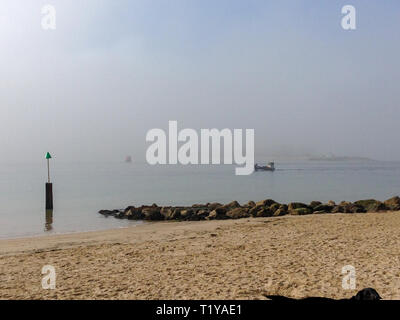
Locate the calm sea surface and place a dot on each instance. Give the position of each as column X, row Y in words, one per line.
column 81, row 190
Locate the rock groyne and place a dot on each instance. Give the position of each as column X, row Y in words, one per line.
column 234, row 210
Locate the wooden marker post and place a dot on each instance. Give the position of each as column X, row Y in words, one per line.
column 49, row 186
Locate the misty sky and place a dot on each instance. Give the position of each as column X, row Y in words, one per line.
column 114, row 69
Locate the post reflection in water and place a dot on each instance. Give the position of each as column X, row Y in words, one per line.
column 49, row 220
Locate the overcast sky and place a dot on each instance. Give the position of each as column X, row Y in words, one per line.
column 113, row 69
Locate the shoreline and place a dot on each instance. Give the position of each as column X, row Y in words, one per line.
column 295, row 256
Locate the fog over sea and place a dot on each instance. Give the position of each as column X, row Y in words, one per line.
column 82, row 189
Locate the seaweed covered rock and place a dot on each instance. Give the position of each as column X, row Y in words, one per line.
column 133, row 213
column 237, row 213
column 274, row 207
column 280, row 212
column 186, row 214
column 265, row 203
column 300, row 211
column 323, row 208
column 393, row 203
column 214, row 205
column 264, row 212
column 371, row 205
column 108, row 213
column 152, row 214
column 217, row 214
column 232, row 205
column 202, row 214
column 314, row 204
column 250, row 204
column 297, row 205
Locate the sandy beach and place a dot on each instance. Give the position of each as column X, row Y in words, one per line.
column 296, row 256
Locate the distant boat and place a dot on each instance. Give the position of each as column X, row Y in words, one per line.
column 128, row 159
column 269, row 167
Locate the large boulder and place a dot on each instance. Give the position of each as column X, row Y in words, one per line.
column 213, row 206
column 264, row 212
column 232, row 205
column 250, row 204
column 152, row 214
column 274, row 207
column 314, row 204
column 174, row 214
column 323, row 208
column 371, row 205
column 108, row 213
column 202, row 214
column 186, row 214
column 393, row 203
column 265, row 203
column 217, row 214
column 280, row 212
column 297, row 205
column 348, row 207
column 133, row 213
column 253, row 211
column 238, row 213
column 300, row 211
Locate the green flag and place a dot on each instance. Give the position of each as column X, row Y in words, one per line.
column 48, row 156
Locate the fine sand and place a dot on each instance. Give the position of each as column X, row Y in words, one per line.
column 295, row 256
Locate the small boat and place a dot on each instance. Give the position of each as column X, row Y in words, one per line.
column 269, row 167
column 128, row 159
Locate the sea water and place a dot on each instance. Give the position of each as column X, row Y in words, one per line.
column 82, row 189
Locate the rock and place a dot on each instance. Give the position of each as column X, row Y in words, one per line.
column 264, row 212
column 213, row 206
column 338, row 209
column 238, row 213
column 217, row 214
column 300, row 211
column 109, row 212
column 296, row 205
column 152, row 213
column 166, row 211
column 120, row 215
column 314, row 204
column 274, row 207
column 393, row 203
column 280, row 212
column 198, row 206
column 253, row 211
column 284, row 207
column 371, row 205
column 174, row 214
column 232, row 205
column 265, row 203
column 324, row 207
column 186, row 214
column 202, row 214
column 332, row 203
column 320, row 212
column 251, row 204
column 348, row 207
column 133, row 213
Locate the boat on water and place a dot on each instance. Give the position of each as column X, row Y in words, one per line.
column 128, row 159
column 269, row 167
